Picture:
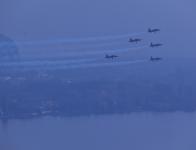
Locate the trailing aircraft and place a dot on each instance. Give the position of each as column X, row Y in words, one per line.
column 155, row 45
column 110, row 56
column 153, row 30
column 153, row 59
column 135, row 40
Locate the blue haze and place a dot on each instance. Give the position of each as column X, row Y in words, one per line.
column 166, row 86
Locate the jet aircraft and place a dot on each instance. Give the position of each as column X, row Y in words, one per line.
column 153, row 59
column 135, row 40
column 153, row 30
column 155, row 45
column 110, row 56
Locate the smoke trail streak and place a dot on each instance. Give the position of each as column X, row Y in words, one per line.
column 76, row 66
column 105, row 51
column 45, row 63
column 80, row 53
column 65, row 55
column 93, row 44
column 105, row 64
column 75, row 40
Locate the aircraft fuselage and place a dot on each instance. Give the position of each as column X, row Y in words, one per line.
column 135, row 40
column 153, row 30
column 155, row 59
column 155, row 45
column 110, row 56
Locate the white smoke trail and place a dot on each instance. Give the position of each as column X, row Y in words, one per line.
column 46, row 63
column 95, row 52
column 72, row 66
column 105, row 64
column 74, row 40
column 83, row 53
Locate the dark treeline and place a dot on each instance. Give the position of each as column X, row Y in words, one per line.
column 47, row 94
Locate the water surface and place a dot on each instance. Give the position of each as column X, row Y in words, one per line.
column 138, row 131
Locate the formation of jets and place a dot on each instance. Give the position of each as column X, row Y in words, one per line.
column 136, row 40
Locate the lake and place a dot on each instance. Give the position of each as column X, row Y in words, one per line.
column 138, row 131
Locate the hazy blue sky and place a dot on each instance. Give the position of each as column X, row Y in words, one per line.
column 50, row 19
column 58, row 19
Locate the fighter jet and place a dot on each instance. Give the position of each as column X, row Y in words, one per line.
column 110, row 56
column 135, row 40
column 153, row 59
column 153, row 30
column 155, row 45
